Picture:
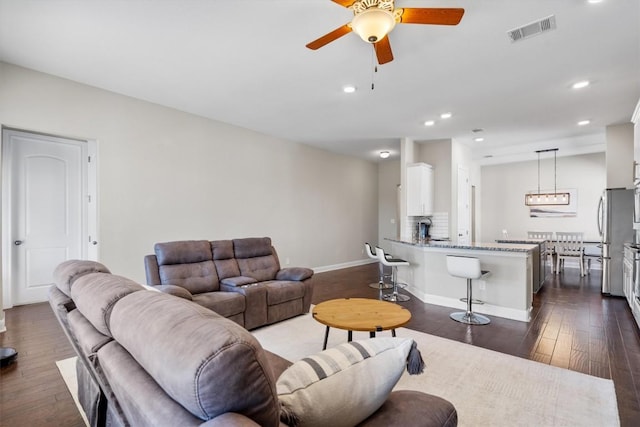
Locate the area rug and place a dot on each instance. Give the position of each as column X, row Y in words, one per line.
column 486, row 387
column 67, row 368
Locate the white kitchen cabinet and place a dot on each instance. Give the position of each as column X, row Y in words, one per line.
column 420, row 189
column 635, row 118
column 627, row 278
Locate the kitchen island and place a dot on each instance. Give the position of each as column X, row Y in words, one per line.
column 539, row 259
column 507, row 291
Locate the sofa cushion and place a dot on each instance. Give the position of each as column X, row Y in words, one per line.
column 69, row 271
column 351, row 381
column 222, row 249
column 226, row 264
column 183, row 252
column 209, row 351
column 195, row 277
column 404, row 407
column 89, row 339
column 224, row 303
column 294, row 273
column 252, row 247
column 140, row 398
column 279, row 291
column 227, row 268
column 260, row 268
column 95, row 295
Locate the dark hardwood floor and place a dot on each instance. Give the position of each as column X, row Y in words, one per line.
column 573, row 326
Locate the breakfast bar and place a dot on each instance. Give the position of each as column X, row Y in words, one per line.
column 507, row 290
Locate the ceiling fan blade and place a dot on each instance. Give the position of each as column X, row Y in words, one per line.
column 345, row 3
column 329, row 37
column 437, row 16
column 383, row 51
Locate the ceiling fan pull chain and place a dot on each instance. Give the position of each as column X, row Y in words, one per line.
column 375, row 69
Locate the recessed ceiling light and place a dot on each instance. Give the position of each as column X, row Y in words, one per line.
column 349, row 89
column 581, row 84
column 479, row 139
column 584, row 122
column 429, row 123
column 594, row 1
column 445, row 115
column 384, row 154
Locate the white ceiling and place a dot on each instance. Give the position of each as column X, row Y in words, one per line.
column 244, row 62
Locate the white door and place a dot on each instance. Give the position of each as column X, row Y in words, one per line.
column 47, row 210
column 464, row 208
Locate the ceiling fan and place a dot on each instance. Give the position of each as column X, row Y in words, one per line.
column 373, row 20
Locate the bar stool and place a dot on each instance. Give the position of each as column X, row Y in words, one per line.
column 467, row 268
column 394, row 263
column 381, row 285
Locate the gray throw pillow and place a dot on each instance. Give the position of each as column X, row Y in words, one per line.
column 343, row 385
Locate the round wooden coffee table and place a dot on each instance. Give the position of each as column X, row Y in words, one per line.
column 360, row 314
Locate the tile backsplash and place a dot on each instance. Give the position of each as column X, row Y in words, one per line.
column 439, row 226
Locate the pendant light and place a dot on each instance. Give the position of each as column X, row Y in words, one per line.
column 547, row 198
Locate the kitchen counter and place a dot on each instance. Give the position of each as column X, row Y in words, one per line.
column 540, row 271
column 507, row 291
column 438, row 244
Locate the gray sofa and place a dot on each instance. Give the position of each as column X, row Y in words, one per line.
column 240, row 279
column 146, row 358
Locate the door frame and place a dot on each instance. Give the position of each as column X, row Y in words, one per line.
column 89, row 210
column 467, row 202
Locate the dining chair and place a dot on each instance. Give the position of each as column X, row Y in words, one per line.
column 569, row 246
column 549, row 253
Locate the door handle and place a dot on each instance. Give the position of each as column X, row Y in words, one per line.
column 17, row 242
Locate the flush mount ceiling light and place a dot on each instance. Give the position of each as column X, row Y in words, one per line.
column 547, row 198
column 581, row 84
column 384, row 154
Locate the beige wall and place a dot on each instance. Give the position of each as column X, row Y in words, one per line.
column 167, row 175
column 504, row 187
column 388, row 198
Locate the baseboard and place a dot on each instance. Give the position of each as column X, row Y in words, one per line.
column 489, row 309
column 343, row 265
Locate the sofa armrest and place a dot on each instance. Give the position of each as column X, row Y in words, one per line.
column 175, row 291
column 230, row 419
column 294, row 273
column 152, row 270
column 255, row 294
column 238, row 281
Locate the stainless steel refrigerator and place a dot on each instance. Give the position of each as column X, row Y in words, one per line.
column 615, row 224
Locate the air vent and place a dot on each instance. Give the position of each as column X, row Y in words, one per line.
column 532, row 29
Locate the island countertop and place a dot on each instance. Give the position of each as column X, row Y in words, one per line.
column 507, row 290
column 438, row 244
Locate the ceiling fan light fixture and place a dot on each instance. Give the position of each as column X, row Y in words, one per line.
column 372, row 25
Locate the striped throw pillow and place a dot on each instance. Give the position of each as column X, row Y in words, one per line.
column 343, row 385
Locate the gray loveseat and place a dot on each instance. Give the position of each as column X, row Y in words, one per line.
column 240, row 279
column 146, row 358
